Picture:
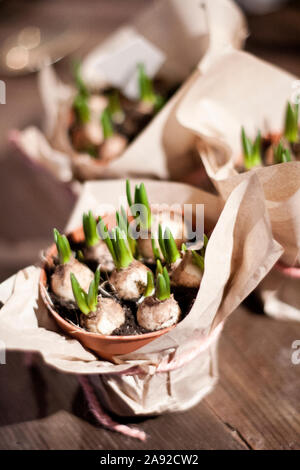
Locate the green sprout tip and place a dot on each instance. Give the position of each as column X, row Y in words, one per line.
column 167, row 245
column 80, row 85
column 162, row 291
column 114, row 108
column 146, row 91
column 281, row 154
column 291, row 129
column 123, row 224
column 117, row 244
column 198, row 260
column 63, row 247
column 141, row 199
column 128, row 193
column 205, row 242
column 121, row 248
column 81, row 108
column 159, row 268
column 90, row 229
column 79, row 256
column 252, row 151
column 155, row 249
column 150, row 285
column 106, row 124
column 87, row 302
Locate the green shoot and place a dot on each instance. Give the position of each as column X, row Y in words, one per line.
column 159, row 268
column 150, row 284
column 146, row 91
column 205, row 242
column 104, row 234
column 90, row 229
column 162, row 287
column 122, row 221
column 128, row 193
column 79, row 295
column 167, row 245
column 161, row 242
column 79, row 256
column 106, row 124
column 115, row 109
column 252, row 151
column 281, row 154
column 123, row 224
column 291, row 130
column 145, row 85
column 170, row 246
column 117, row 245
column 81, row 108
column 80, row 85
column 63, row 247
column 80, row 103
column 198, row 260
column 121, row 248
column 92, row 296
column 155, row 250
column 87, row 302
column 141, row 198
column 167, row 279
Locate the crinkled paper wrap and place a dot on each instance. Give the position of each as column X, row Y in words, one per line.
column 239, row 254
column 241, row 90
column 186, row 36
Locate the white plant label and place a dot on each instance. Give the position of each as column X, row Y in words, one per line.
column 119, row 67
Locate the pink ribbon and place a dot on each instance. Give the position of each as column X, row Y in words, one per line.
column 103, row 418
column 290, row 271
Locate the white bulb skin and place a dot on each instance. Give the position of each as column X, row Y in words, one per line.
column 130, row 282
column 99, row 254
column 61, row 282
column 108, row 316
column 185, row 273
column 154, row 314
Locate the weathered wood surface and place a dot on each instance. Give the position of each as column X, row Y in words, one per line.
column 256, row 403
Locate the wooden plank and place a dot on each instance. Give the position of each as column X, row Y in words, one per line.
column 258, row 394
column 41, row 408
column 255, row 404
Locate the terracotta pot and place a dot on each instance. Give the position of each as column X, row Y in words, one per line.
column 103, row 345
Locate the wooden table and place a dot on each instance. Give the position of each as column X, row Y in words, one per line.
column 256, row 402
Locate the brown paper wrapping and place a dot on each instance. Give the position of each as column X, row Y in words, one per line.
column 239, row 254
column 186, row 36
column 242, row 90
